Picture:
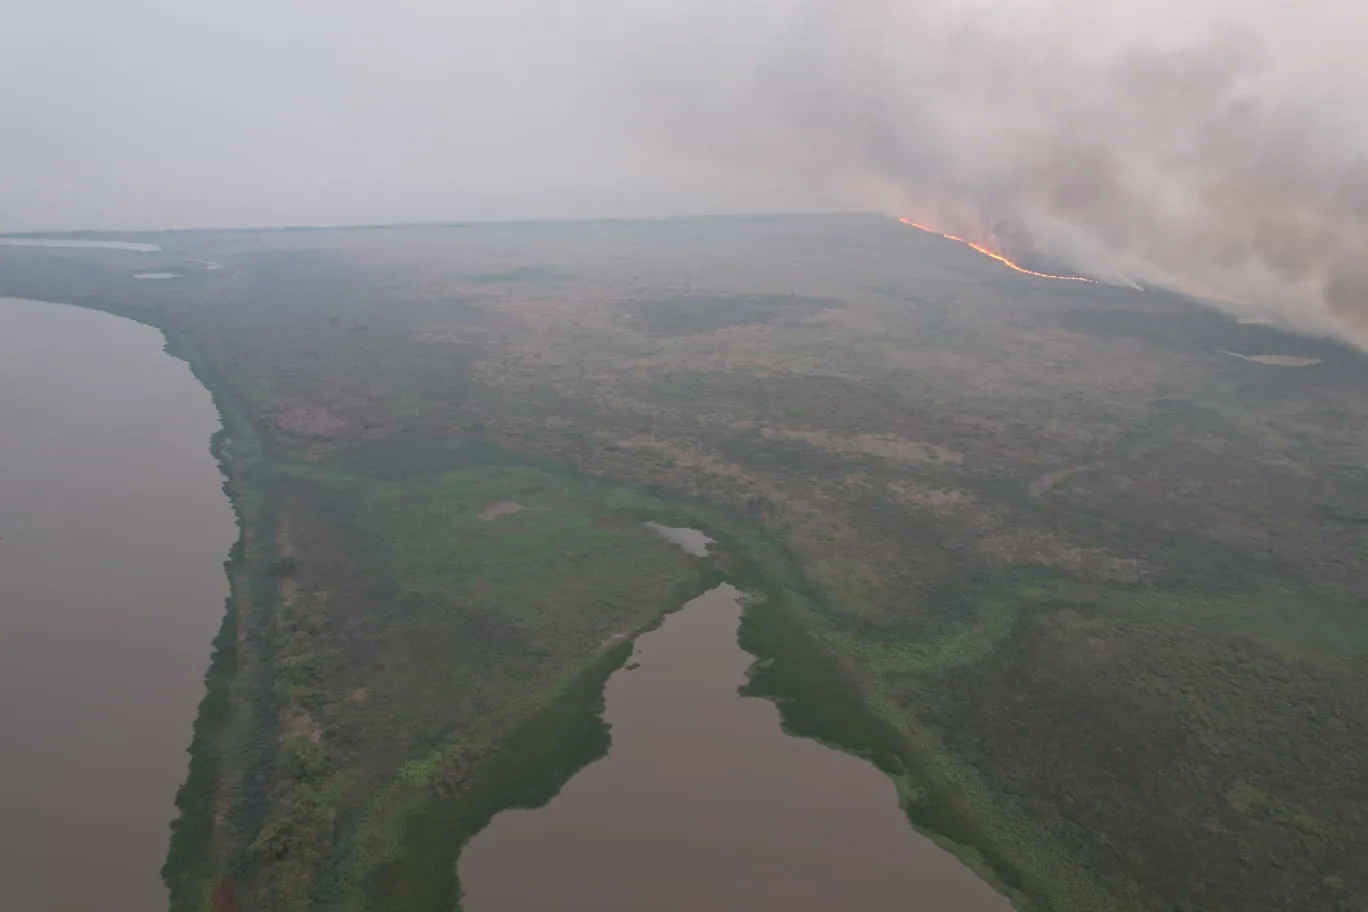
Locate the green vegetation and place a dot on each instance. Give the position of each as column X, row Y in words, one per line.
column 527, row 770
column 1088, row 589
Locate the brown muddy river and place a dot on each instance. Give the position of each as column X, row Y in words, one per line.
column 113, row 532
column 704, row 803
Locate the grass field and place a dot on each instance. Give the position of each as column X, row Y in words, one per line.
column 1086, row 585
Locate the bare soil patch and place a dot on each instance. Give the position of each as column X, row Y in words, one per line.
column 300, row 724
column 500, row 508
column 304, row 420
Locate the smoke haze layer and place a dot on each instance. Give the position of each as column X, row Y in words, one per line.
column 1209, row 147
column 1213, row 145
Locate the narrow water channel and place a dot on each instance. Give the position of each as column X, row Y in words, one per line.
column 113, row 532
column 704, row 803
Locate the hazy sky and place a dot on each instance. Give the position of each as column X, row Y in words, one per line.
column 163, row 113
column 1214, row 144
column 158, row 113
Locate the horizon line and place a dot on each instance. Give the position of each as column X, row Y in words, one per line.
column 444, row 223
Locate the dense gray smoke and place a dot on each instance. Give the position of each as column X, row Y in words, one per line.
column 1213, row 149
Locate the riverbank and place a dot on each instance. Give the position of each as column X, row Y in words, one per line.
column 216, row 804
column 233, row 790
column 237, row 782
column 815, row 693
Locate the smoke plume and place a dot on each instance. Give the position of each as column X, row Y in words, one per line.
column 1210, row 148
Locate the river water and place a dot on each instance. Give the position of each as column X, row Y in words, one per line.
column 113, row 532
column 704, row 803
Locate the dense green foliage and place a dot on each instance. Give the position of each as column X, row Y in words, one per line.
column 526, row 770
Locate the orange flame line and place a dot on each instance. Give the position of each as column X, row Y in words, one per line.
column 1023, row 270
column 996, row 256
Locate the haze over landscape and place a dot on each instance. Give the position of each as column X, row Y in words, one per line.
column 1214, row 145
column 869, row 454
